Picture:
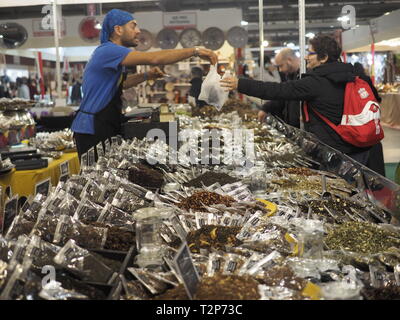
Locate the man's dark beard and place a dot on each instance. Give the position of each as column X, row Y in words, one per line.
column 130, row 44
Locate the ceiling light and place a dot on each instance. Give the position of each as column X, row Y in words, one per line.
column 343, row 18
column 387, row 13
column 277, row 51
column 291, row 45
column 310, row 35
column 244, row 23
column 97, row 26
column 265, row 43
column 297, row 54
column 1, row 36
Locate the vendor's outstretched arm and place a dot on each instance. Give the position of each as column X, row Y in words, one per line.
column 163, row 57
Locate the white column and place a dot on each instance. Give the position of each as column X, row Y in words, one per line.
column 302, row 46
column 57, row 45
column 261, row 26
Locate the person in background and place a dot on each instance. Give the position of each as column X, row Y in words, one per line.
column 99, row 116
column 322, row 87
column 376, row 160
column 271, row 73
column 289, row 111
column 195, row 89
column 76, row 92
column 23, row 89
column 32, row 89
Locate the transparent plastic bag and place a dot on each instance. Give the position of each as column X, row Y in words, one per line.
column 82, row 263
column 116, row 217
column 84, row 235
column 19, row 226
column 46, row 225
column 211, row 90
column 88, row 211
column 41, row 252
column 54, row 291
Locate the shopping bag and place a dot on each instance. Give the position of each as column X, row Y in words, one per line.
column 211, row 90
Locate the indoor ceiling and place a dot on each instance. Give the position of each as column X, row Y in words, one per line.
column 280, row 17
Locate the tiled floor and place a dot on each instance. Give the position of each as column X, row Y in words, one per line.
column 391, row 145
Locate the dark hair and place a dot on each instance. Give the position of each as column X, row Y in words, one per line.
column 326, row 46
column 359, row 69
column 197, row 72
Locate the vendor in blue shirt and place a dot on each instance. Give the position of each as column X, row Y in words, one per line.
column 99, row 115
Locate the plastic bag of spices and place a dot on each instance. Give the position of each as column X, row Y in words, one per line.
column 215, row 264
column 54, row 290
column 134, row 290
column 116, row 217
column 91, row 191
column 84, row 235
column 147, row 279
column 20, row 249
column 87, row 211
column 32, row 212
column 19, row 226
column 40, row 252
column 82, row 263
column 46, row 225
column 127, row 201
column 6, row 249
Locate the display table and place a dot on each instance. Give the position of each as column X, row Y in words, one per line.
column 390, row 110
column 25, row 182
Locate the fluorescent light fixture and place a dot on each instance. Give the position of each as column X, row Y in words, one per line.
column 1, row 36
column 291, row 45
column 244, row 23
column 265, row 43
column 97, row 26
column 277, row 51
column 310, row 35
column 343, row 18
column 387, row 13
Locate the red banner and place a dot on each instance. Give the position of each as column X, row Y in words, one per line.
column 40, row 72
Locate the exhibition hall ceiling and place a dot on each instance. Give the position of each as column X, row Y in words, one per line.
column 280, row 17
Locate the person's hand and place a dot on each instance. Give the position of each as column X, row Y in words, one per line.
column 261, row 116
column 209, row 55
column 229, row 83
column 155, row 73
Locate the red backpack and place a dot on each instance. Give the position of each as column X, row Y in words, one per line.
column 360, row 125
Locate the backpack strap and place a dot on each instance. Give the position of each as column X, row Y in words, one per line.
column 325, row 119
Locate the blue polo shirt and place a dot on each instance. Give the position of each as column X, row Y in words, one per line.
column 101, row 79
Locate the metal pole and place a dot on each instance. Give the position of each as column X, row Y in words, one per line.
column 57, row 45
column 261, row 26
column 302, row 47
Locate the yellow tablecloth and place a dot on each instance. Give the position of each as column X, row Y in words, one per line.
column 24, row 182
column 390, row 110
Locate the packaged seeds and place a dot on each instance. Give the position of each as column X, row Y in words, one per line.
column 85, row 235
column 116, row 217
column 214, row 264
column 20, row 226
column 233, row 263
column 145, row 176
column 5, row 249
column 127, row 201
column 87, row 211
column 41, row 252
column 20, row 249
column 91, row 191
column 82, row 263
column 148, row 280
column 134, row 290
column 45, row 227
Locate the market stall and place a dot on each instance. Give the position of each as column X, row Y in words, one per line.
column 294, row 220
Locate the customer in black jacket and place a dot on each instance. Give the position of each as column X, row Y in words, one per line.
column 322, row 87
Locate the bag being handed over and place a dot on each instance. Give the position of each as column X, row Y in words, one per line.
column 211, row 90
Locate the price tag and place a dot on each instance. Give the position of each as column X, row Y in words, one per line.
column 10, row 211
column 186, row 269
column 107, row 146
column 91, row 157
column 100, row 150
column 64, row 168
column 84, row 160
column 43, row 187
